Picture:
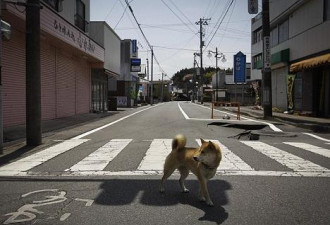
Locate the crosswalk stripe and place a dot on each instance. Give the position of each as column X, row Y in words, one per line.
column 99, row 159
column 230, row 161
column 312, row 148
column 38, row 158
column 156, row 154
column 291, row 161
column 152, row 164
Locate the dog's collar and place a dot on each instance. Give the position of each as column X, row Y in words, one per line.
column 207, row 166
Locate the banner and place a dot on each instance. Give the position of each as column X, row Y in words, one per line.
column 289, row 84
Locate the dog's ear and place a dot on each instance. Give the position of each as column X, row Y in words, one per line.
column 211, row 145
column 202, row 140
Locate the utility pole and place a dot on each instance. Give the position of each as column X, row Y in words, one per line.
column 194, row 79
column 216, row 74
column 147, row 69
column 152, row 77
column 266, row 72
column 217, row 56
column 148, row 92
column 33, row 78
column 162, row 93
column 1, row 108
column 201, row 22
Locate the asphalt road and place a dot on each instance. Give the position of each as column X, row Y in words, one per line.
column 110, row 175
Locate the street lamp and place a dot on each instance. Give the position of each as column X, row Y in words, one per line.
column 217, row 56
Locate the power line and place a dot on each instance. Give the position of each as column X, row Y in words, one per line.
column 144, row 36
column 173, row 48
column 227, row 24
column 122, row 15
column 220, row 23
column 177, row 15
column 218, row 20
column 110, row 11
column 182, row 13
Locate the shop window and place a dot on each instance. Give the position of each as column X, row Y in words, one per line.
column 55, row 4
column 80, row 17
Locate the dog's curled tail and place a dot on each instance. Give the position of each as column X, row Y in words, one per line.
column 179, row 142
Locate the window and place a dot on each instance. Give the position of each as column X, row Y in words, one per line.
column 80, row 16
column 274, row 37
column 283, row 31
column 257, row 36
column 256, row 59
column 55, row 4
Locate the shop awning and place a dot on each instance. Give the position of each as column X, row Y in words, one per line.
column 310, row 63
column 111, row 74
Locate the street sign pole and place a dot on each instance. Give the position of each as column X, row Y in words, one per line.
column 266, row 72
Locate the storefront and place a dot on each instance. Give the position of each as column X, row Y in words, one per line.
column 99, row 90
column 67, row 57
column 312, row 85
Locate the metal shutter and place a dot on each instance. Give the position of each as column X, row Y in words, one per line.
column 13, row 79
column 65, row 85
column 48, row 89
column 83, row 86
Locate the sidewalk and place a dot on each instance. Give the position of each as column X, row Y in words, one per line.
column 14, row 137
column 313, row 123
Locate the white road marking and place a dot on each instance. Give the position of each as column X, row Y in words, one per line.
column 264, row 173
column 183, row 113
column 293, row 162
column 271, row 126
column 38, row 158
column 28, row 211
column 99, row 159
column 114, row 122
column 312, row 148
column 156, row 154
column 317, row 137
column 89, row 202
column 65, row 216
column 229, row 161
column 224, row 112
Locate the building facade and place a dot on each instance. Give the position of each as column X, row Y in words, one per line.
column 300, row 55
column 128, row 81
column 68, row 56
column 104, row 80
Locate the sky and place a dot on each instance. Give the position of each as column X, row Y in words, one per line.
column 169, row 26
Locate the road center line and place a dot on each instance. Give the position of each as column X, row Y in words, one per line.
column 112, row 123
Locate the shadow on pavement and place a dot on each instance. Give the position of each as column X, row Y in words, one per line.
column 125, row 192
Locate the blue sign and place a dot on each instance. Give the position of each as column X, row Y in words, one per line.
column 239, row 67
column 134, row 46
column 135, row 62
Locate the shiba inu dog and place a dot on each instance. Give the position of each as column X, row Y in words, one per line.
column 203, row 162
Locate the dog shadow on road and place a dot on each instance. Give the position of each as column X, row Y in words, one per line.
column 136, row 192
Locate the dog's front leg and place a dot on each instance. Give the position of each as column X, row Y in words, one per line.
column 204, row 193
